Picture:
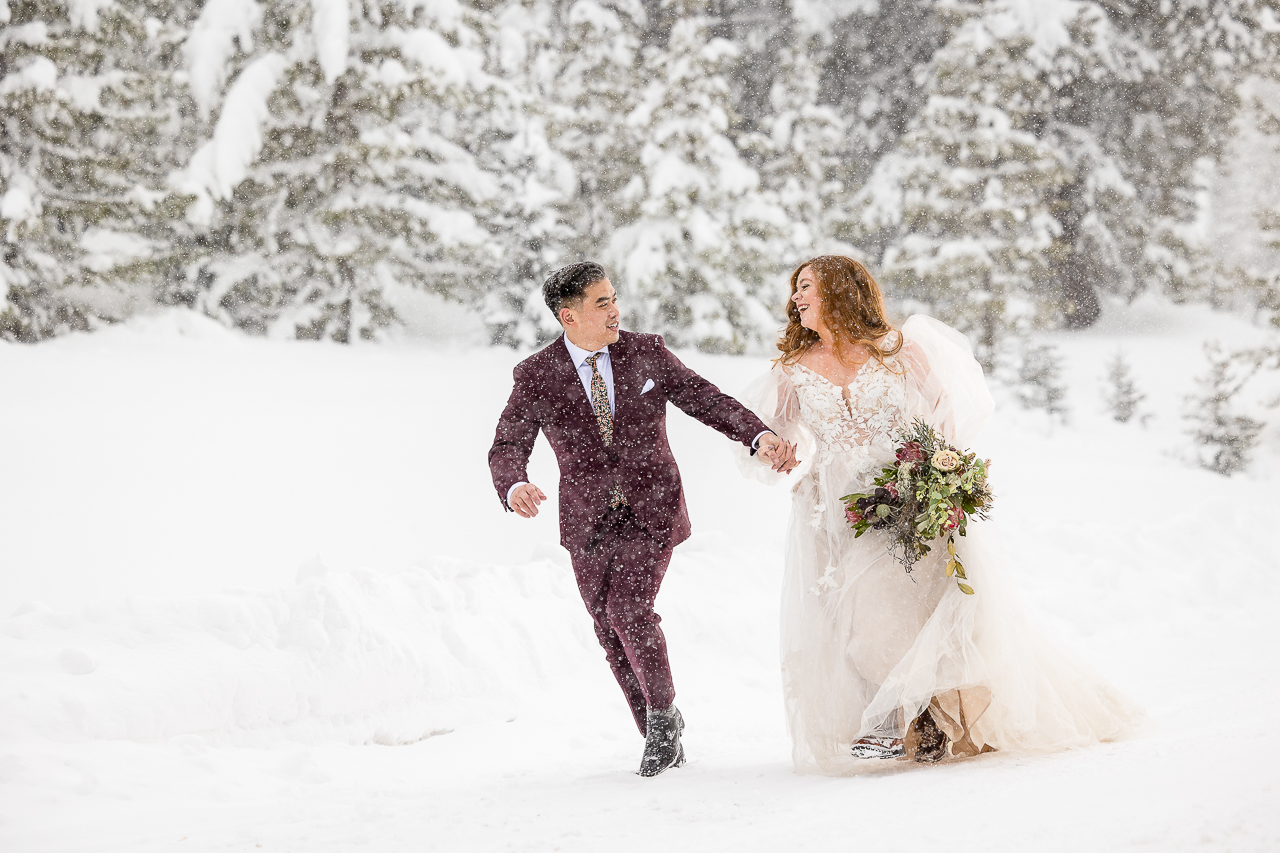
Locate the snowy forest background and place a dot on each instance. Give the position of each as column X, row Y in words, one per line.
column 315, row 168
column 307, row 167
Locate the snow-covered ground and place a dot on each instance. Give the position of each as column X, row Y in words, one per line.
column 263, row 597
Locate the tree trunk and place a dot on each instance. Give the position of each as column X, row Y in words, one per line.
column 1080, row 305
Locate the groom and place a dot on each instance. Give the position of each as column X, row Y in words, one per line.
column 600, row 396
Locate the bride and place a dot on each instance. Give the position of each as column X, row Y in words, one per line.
column 878, row 663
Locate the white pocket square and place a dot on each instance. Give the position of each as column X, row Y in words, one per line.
column 648, row 386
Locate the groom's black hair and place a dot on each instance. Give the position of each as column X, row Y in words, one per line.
column 567, row 284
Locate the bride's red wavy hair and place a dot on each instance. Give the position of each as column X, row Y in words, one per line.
column 852, row 308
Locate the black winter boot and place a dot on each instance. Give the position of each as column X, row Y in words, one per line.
column 662, row 748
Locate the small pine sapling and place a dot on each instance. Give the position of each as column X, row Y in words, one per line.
column 1226, row 438
column 1040, row 381
column 1123, row 398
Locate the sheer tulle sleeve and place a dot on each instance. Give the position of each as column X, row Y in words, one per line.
column 773, row 398
column 945, row 386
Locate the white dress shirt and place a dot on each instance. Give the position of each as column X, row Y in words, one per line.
column 579, row 357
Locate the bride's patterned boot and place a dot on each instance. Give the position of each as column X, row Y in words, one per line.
column 662, row 747
column 878, row 747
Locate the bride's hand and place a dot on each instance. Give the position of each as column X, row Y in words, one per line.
column 785, row 458
column 777, row 453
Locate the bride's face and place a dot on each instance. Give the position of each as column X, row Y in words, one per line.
column 809, row 301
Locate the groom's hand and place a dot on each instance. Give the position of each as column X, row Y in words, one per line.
column 525, row 500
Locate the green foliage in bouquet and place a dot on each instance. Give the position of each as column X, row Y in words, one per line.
column 929, row 493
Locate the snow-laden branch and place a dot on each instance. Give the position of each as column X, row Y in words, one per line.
column 222, row 162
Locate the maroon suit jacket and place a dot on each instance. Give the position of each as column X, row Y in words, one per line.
column 548, row 396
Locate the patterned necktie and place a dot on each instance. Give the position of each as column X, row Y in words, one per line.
column 604, row 419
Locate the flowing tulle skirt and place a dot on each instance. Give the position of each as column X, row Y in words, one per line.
column 866, row 647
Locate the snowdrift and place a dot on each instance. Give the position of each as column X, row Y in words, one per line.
column 356, row 656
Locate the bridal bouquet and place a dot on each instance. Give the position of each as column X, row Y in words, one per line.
column 929, row 493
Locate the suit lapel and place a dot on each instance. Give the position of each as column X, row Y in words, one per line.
column 625, row 376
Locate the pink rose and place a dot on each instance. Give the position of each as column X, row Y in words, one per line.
column 955, row 517
column 853, row 516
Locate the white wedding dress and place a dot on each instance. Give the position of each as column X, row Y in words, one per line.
column 866, row 648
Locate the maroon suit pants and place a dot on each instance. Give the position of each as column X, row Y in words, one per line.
column 618, row 574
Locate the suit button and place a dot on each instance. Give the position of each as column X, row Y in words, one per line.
column 613, row 456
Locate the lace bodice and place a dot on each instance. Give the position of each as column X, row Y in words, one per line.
column 856, row 419
column 845, row 435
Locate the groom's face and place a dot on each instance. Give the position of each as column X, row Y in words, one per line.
column 594, row 325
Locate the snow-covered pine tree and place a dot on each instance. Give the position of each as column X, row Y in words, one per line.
column 595, row 85
column 1142, row 93
column 1262, row 286
column 966, row 203
column 338, row 173
column 1082, row 58
column 702, row 261
column 531, row 236
column 1132, row 95
column 800, row 157
column 762, row 30
column 875, row 59
column 1159, row 124
column 1258, row 286
column 513, row 144
column 91, row 122
column 576, row 62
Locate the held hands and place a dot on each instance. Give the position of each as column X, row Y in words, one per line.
column 778, row 453
column 525, row 500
